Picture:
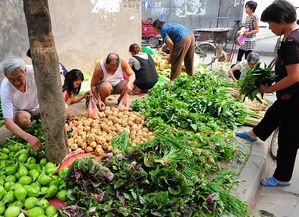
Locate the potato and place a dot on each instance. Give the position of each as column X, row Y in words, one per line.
column 105, row 146
column 74, row 147
column 86, row 123
column 130, row 123
column 101, row 114
column 112, row 128
column 83, row 145
column 94, row 126
column 88, row 149
column 70, row 141
column 99, row 151
column 93, row 144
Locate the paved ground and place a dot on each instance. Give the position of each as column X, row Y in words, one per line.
column 279, row 202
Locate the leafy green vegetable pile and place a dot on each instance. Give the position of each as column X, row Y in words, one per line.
column 164, row 177
column 199, row 103
column 250, row 83
column 176, row 174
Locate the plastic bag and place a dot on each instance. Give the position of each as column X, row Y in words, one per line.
column 242, row 37
column 92, row 109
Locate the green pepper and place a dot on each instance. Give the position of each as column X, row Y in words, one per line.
column 2, row 192
column 52, row 191
column 33, row 191
column 12, row 211
column 8, row 197
column 2, row 208
column 20, row 193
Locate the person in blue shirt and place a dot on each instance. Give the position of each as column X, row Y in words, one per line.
column 181, row 43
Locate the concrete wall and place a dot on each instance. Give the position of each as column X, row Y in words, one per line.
column 195, row 13
column 84, row 30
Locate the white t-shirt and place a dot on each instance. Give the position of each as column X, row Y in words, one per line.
column 112, row 79
column 243, row 67
column 12, row 100
column 135, row 62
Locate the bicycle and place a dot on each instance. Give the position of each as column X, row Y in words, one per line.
column 206, row 49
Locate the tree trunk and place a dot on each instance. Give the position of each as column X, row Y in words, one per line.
column 47, row 76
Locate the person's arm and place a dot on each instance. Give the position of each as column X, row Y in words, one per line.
column 129, row 72
column 170, row 45
column 73, row 100
column 131, row 62
column 225, row 56
column 15, row 129
column 289, row 80
column 231, row 73
column 96, row 77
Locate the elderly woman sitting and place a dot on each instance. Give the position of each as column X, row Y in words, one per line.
column 240, row 69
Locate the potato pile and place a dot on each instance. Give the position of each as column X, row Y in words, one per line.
column 96, row 134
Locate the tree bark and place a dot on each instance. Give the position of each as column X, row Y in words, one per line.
column 47, row 77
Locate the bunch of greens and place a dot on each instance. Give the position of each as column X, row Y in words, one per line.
column 199, row 103
column 253, row 79
column 163, row 177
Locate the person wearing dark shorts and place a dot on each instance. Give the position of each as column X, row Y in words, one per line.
column 108, row 78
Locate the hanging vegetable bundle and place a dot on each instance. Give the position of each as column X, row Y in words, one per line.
column 250, row 83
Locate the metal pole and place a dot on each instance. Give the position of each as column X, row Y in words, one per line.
column 220, row 3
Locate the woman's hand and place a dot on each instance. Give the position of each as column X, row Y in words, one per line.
column 34, row 143
column 87, row 94
column 129, row 87
column 101, row 105
column 263, row 89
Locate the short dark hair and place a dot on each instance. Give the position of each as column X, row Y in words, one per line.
column 252, row 5
column 280, row 11
column 71, row 76
column 110, row 57
column 158, row 24
column 134, row 48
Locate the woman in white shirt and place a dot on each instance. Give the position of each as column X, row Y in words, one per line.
column 240, row 69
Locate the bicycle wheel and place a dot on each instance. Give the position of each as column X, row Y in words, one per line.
column 274, row 145
column 206, row 51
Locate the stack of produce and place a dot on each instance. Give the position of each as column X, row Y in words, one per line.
column 250, row 83
column 193, row 103
column 164, row 177
column 96, row 134
column 27, row 181
column 256, row 111
column 162, row 66
column 179, row 172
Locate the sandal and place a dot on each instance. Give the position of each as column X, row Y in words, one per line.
column 244, row 135
column 272, row 182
